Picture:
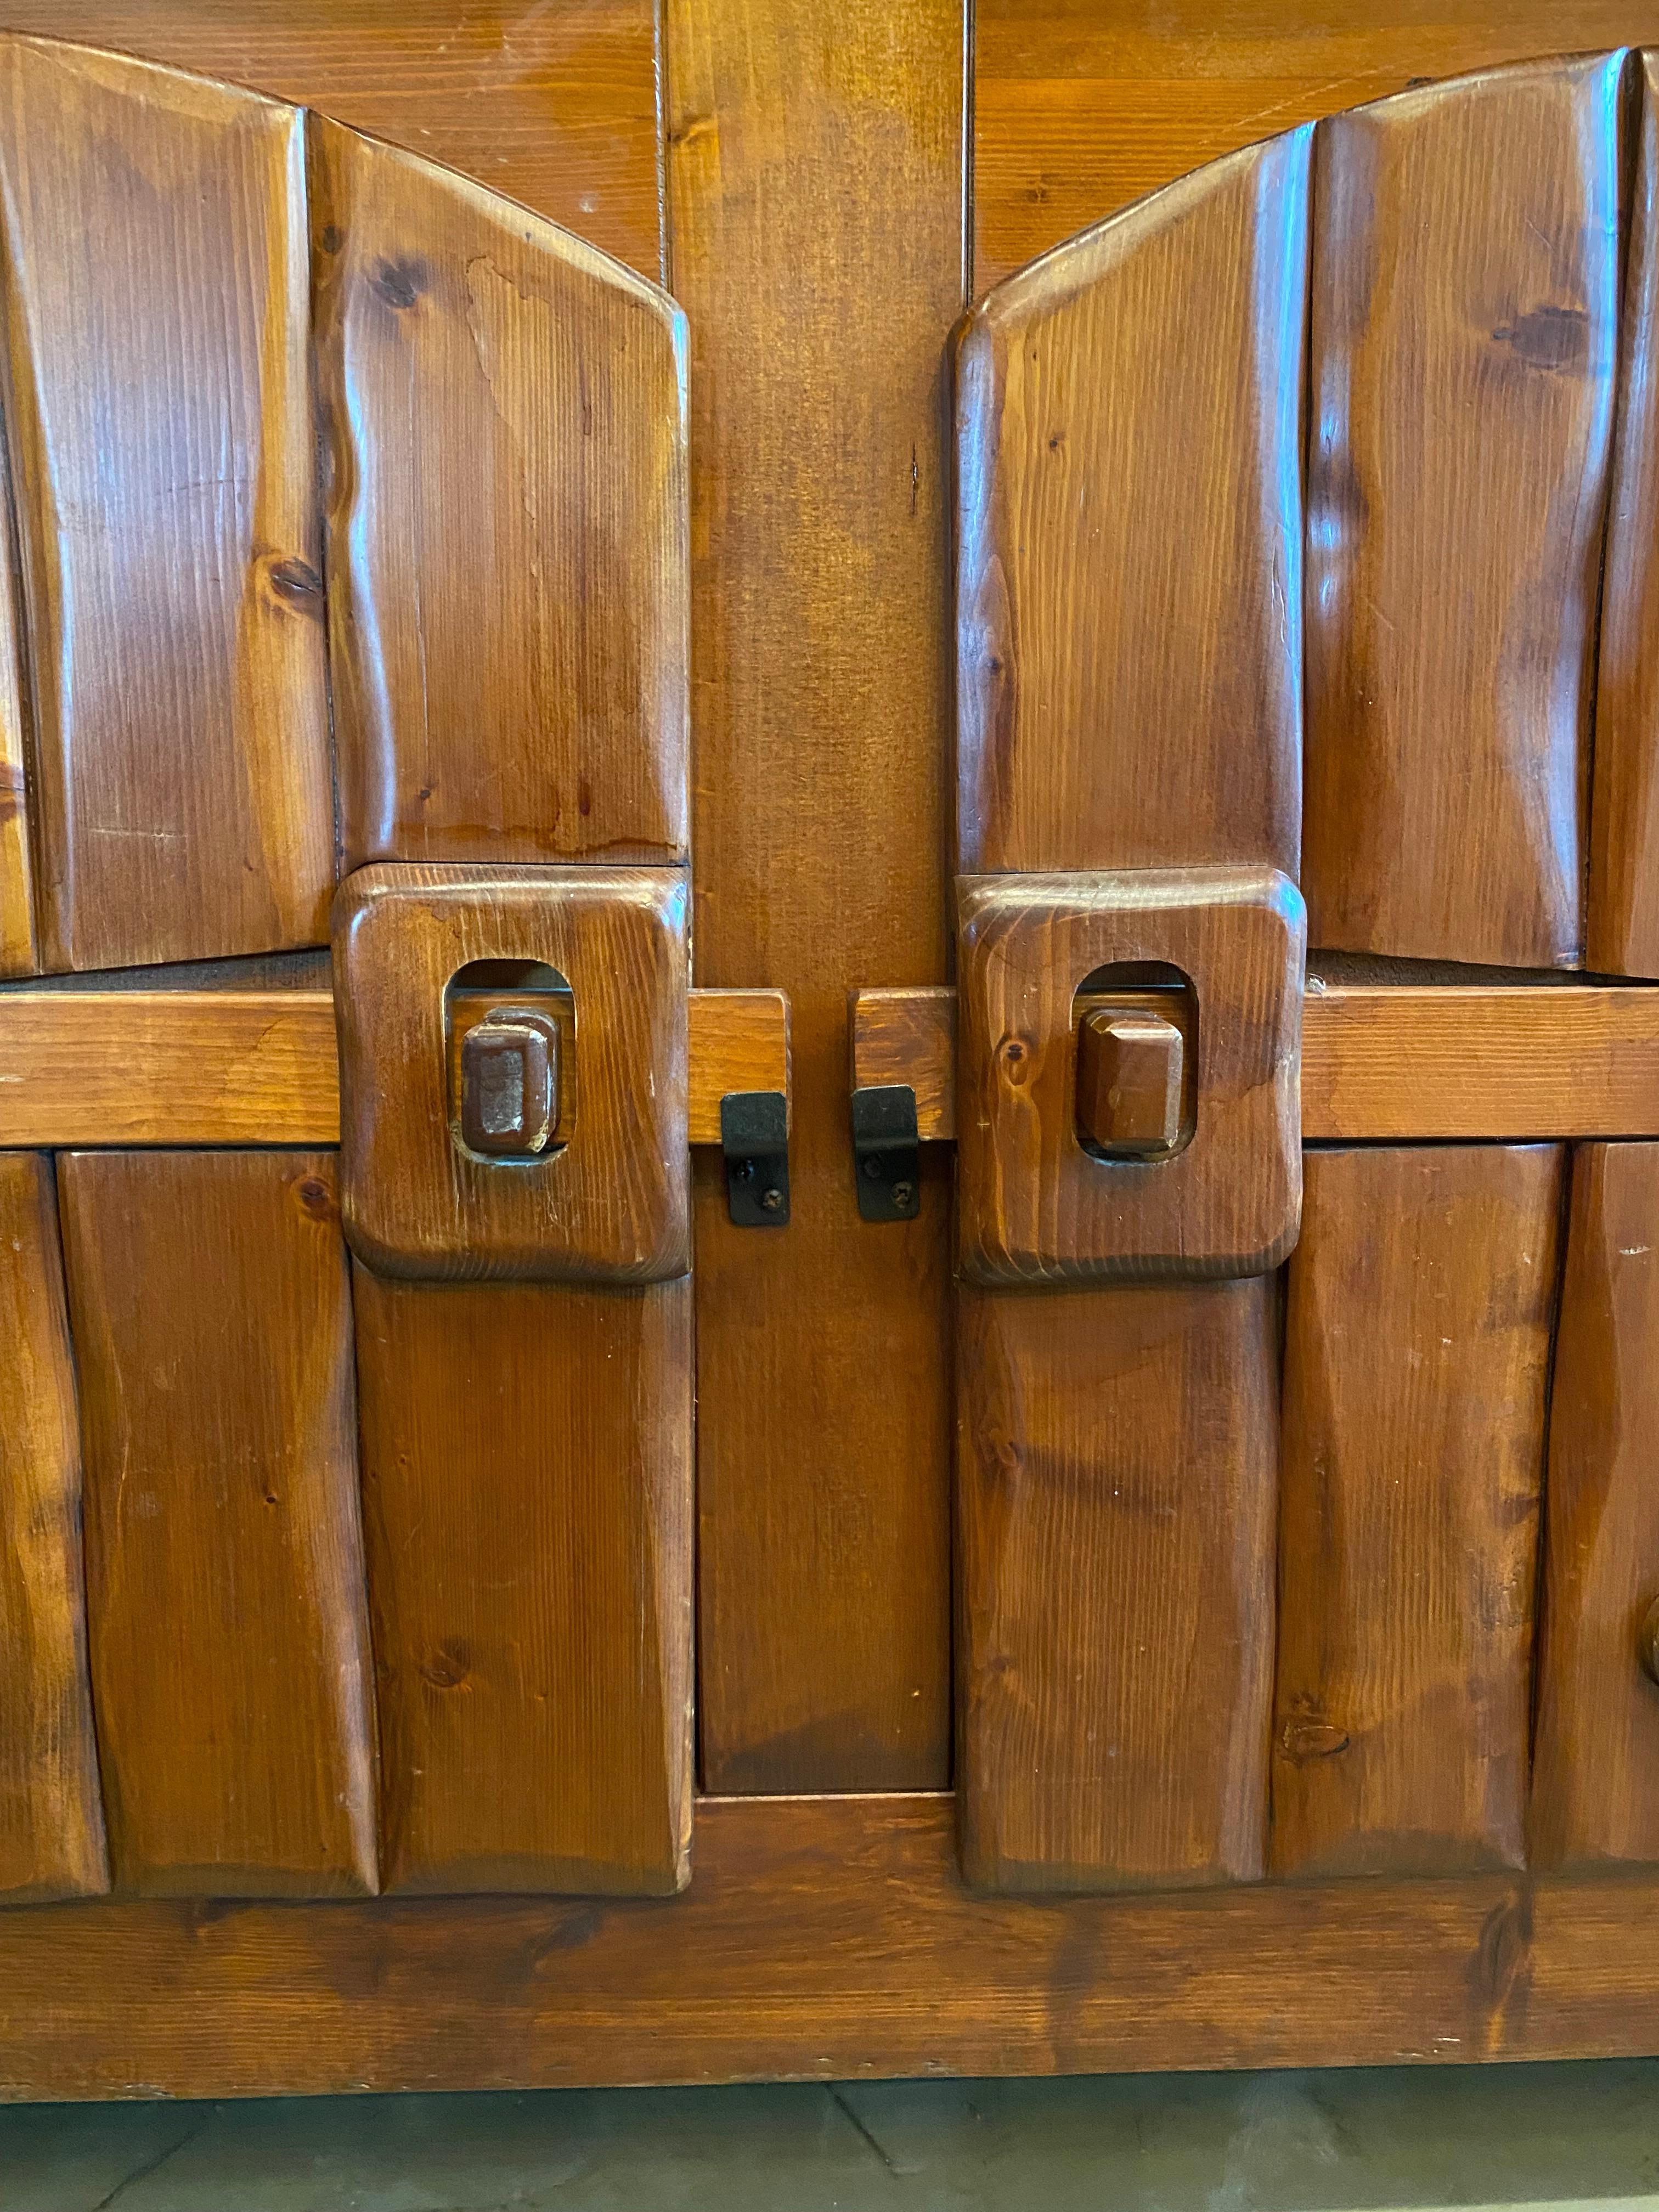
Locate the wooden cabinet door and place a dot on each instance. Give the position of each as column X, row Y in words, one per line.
column 1251, row 1557
column 1164, row 616
column 351, row 525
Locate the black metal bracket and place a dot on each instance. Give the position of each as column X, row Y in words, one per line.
column 755, row 1141
column 886, row 1152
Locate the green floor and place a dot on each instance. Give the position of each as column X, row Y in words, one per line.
column 1498, row 2135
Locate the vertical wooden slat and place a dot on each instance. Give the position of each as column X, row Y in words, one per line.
column 1464, row 312
column 1128, row 428
column 1595, row 1784
column 1129, row 584
column 1418, row 1327
column 506, row 525
column 51, row 1821
column 527, row 1502
column 1624, row 824
column 816, row 190
column 228, row 1628
column 163, row 467
column 1115, row 1535
column 504, row 412
column 18, row 954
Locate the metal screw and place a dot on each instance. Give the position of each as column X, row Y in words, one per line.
column 771, row 1198
column 904, row 1193
column 744, row 1170
column 873, row 1168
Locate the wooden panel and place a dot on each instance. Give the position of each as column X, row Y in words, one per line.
column 817, row 186
column 163, row 466
column 52, row 1820
column 1114, row 1596
column 1081, row 108
column 501, row 403
column 224, row 1560
column 261, row 1067
column 556, row 107
column 1463, row 324
column 1624, row 824
column 827, row 1937
column 1595, row 1785
column 1418, row 1327
column 18, row 952
column 1130, row 574
column 529, row 1565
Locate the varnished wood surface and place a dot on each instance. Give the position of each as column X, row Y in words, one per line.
column 260, row 1067
column 52, row 1818
column 1378, row 1061
column 1115, row 1527
column 1129, row 538
column 816, row 178
column 1032, row 1206
column 1420, row 1302
column 1623, row 923
column 528, row 1540
column 163, row 473
column 504, row 409
column 821, row 1937
column 1595, row 1782
column 1463, row 327
column 554, row 106
column 228, row 1623
column 1081, row 108
column 18, row 954
column 611, row 1203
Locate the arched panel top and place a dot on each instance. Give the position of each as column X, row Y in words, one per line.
column 1137, row 520
column 505, row 414
column 206, row 292
column 1128, row 427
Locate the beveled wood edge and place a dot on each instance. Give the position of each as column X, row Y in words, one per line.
column 102, row 1068
column 820, row 1938
column 1397, row 1062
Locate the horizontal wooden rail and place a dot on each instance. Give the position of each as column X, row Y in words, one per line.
column 820, row 1937
column 1379, row 1061
column 258, row 1068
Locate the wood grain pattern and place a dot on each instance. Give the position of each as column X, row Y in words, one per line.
column 163, row 467
column 1129, row 538
column 501, row 404
column 1032, row 1206
column 1115, row 1592
column 828, row 1936
column 612, row 1203
column 1079, row 109
column 735, row 1040
column 1595, row 1780
column 261, row 1067
column 553, row 106
column 1421, row 1303
column 530, row 1568
column 229, row 1627
column 816, row 160
column 1623, row 922
column 52, row 1818
column 1463, row 320
column 19, row 954
column 1394, row 1061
